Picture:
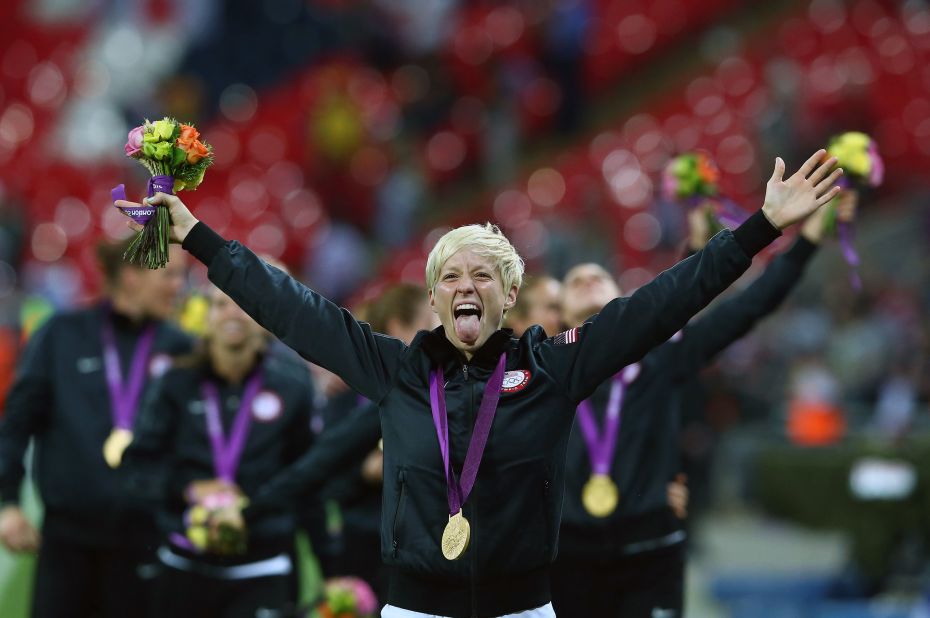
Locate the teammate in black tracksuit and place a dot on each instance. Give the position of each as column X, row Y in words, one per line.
column 514, row 508
column 171, row 461
column 92, row 543
column 630, row 564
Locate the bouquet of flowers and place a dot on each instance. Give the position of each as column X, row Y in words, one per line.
column 691, row 179
column 173, row 153
column 857, row 154
column 207, row 532
column 347, row 597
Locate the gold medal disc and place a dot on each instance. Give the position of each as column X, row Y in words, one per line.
column 600, row 495
column 455, row 537
column 116, row 444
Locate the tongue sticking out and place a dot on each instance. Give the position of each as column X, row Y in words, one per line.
column 466, row 328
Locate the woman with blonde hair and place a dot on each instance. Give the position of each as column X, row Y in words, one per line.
column 476, row 422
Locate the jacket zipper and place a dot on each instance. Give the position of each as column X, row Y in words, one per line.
column 546, row 512
column 400, row 503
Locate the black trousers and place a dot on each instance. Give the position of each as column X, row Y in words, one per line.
column 74, row 581
column 645, row 585
column 179, row 593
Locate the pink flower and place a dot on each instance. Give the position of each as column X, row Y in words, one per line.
column 669, row 184
column 134, row 144
column 365, row 600
column 877, row 169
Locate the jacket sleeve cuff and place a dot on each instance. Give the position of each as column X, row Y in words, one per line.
column 203, row 243
column 801, row 251
column 755, row 234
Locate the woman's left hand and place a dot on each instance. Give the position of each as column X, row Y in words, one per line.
column 795, row 199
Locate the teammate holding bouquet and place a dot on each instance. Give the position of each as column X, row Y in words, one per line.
column 473, row 489
column 858, row 154
column 215, row 428
column 622, row 540
column 76, row 392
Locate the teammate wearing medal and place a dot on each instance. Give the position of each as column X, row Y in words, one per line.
column 470, row 528
column 223, row 421
column 622, row 542
column 76, row 392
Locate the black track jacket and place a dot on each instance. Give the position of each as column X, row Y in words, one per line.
column 60, row 397
column 171, row 448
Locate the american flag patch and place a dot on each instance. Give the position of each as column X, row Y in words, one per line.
column 569, row 336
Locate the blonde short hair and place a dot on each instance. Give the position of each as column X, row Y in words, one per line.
column 485, row 240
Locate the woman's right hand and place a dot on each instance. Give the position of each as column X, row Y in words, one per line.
column 182, row 221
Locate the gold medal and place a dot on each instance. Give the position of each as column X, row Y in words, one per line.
column 455, row 537
column 116, row 444
column 600, row 495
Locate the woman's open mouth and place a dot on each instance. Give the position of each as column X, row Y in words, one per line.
column 467, row 317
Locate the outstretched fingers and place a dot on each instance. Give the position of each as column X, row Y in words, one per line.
column 811, row 163
column 829, row 195
column 822, row 170
column 779, row 172
column 827, row 182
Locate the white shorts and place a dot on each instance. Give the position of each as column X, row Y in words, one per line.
column 390, row 611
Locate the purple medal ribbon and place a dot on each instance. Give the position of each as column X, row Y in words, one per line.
column 846, row 234
column 601, row 447
column 727, row 212
column 227, row 453
column 142, row 214
column 124, row 397
column 459, row 490
column 730, row 214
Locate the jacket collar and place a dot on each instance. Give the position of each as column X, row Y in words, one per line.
column 123, row 323
column 443, row 353
column 209, row 372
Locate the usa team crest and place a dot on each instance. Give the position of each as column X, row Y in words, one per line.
column 515, row 381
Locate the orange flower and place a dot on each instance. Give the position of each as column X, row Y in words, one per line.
column 707, row 170
column 195, row 151
column 188, row 135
